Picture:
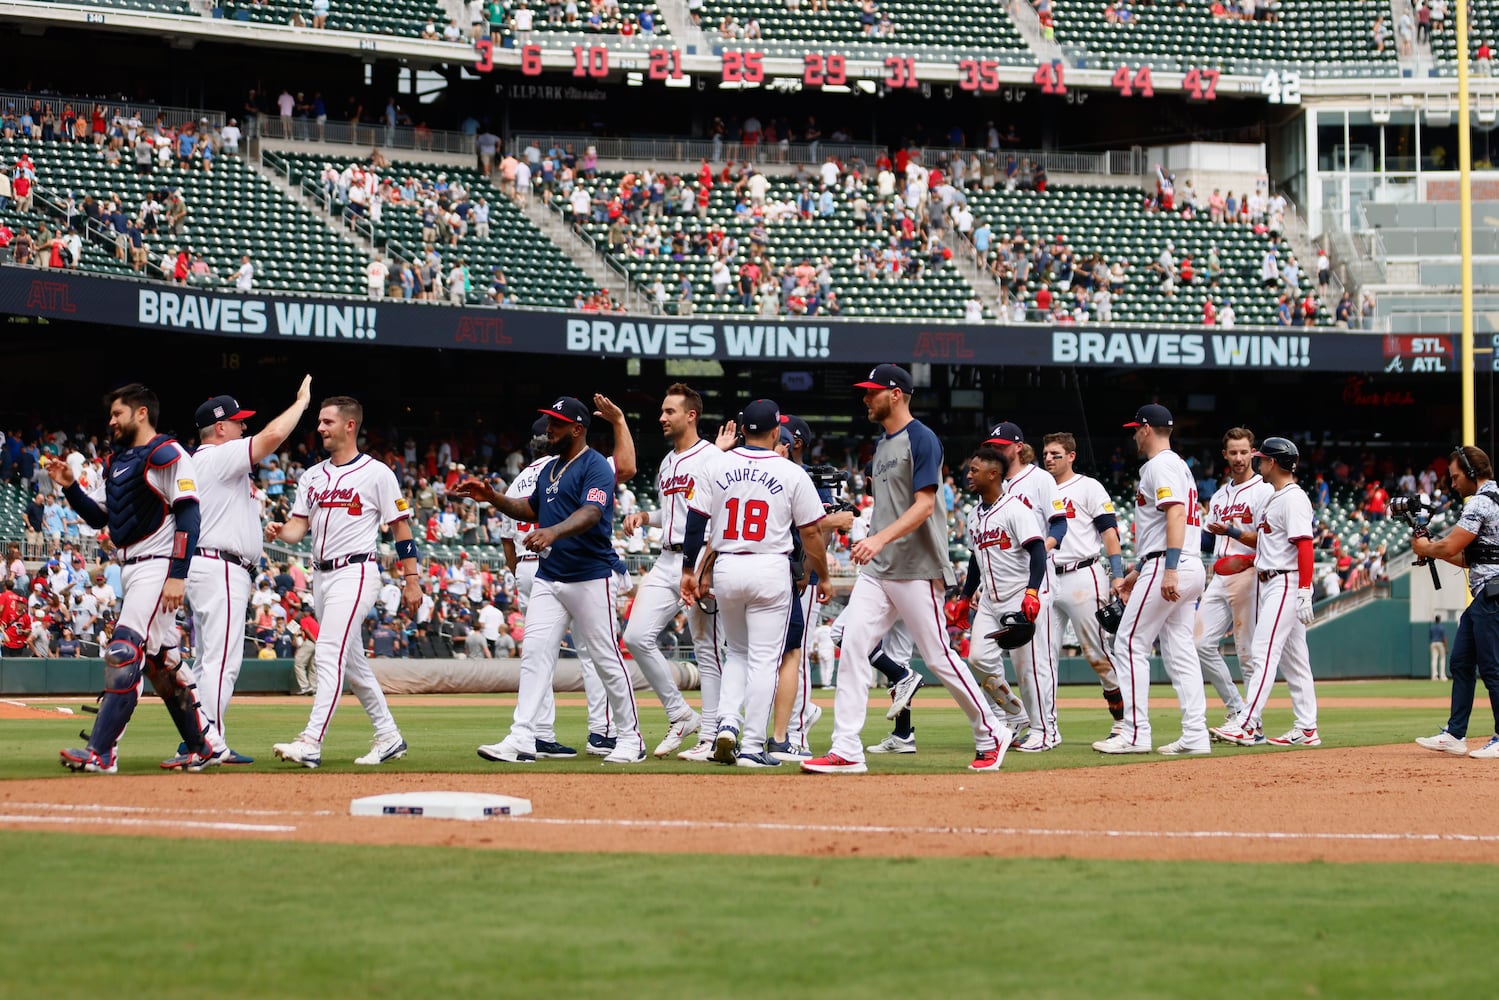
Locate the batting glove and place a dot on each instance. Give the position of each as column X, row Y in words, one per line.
column 1030, row 605
column 1304, row 606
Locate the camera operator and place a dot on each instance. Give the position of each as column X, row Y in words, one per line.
column 1473, row 543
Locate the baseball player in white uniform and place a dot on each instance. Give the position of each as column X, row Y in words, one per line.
column 148, row 500
column 906, row 568
column 343, row 501
column 1037, row 686
column 753, row 498
column 1161, row 595
column 573, row 510
column 1228, row 603
column 229, row 542
column 678, row 481
column 1283, row 557
column 1081, row 576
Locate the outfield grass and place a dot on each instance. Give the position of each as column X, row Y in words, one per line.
column 443, row 738
column 94, row 916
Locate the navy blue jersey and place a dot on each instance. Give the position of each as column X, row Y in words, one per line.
column 587, row 479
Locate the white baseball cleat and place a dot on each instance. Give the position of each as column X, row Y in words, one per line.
column 700, row 754
column 894, row 744
column 387, row 748
column 507, row 752
column 1445, row 742
column 679, row 731
column 1296, row 738
column 629, row 750
column 1034, row 742
column 300, row 751
column 814, row 716
column 1489, row 751
column 1178, row 748
column 1119, row 745
column 902, row 691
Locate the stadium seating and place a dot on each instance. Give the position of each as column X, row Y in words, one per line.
column 976, row 25
column 1483, row 26
column 232, row 211
column 629, row 9
column 537, row 269
column 389, row 17
column 939, row 294
column 142, row 6
column 1111, row 221
column 1313, row 35
column 94, row 258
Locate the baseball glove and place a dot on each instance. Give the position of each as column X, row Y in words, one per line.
column 1015, row 630
column 1229, row 565
column 1110, row 615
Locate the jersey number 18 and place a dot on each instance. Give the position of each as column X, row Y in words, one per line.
column 752, row 526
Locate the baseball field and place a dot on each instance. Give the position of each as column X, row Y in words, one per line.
column 1366, row 866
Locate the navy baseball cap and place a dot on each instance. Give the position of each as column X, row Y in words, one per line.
column 1005, row 432
column 888, row 377
column 539, row 428
column 1151, row 415
column 221, row 408
column 798, row 427
column 760, row 416
column 569, row 410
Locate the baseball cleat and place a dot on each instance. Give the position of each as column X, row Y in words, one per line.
column 506, row 752
column 814, row 716
column 1004, row 696
column 203, row 761
column 600, row 745
column 1034, row 742
column 902, row 691
column 176, row 761
column 726, row 745
column 1238, row 735
column 383, row 750
column 1489, row 751
column 988, row 760
column 231, row 757
column 1445, row 742
column 700, row 754
column 1178, row 748
column 761, row 759
column 1297, row 738
column 1018, row 734
column 627, row 751
column 89, row 761
column 299, row 751
column 1119, row 745
column 894, row 744
column 552, row 750
column 679, row 731
column 786, row 751
column 834, row 764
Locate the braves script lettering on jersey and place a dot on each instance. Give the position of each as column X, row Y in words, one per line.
column 345, row 505
column 1237, row 503
column 998, row 534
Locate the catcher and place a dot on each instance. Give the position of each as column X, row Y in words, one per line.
column 1009, row 565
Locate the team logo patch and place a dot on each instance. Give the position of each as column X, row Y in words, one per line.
column 1058, row 505
column 597, row 496
column 186, row 486
column 401, row 504
column 218, row 411
column 1108, row 507
column 1162, row 492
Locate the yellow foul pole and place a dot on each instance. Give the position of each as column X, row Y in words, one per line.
column 1465, row 208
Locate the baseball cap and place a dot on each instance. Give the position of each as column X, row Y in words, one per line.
column 569, row 410
column 760, row 416
column 798, row 427
column 539, row 428
column 221, row 408
column 1151, row 415
column 888, row 377
column 786, row 436
column 1005, row 432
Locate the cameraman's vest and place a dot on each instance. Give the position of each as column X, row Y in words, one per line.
column 135, row 508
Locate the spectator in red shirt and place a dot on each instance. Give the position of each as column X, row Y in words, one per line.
column 1376, row 500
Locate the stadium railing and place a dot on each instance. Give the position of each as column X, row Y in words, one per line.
column 84, row 106
column 401, row 137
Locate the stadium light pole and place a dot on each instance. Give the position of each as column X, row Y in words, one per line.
column 1465, row 223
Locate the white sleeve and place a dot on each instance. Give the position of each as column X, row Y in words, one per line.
column 1023, row 526
column 176, row 481
column 1298, row 517
column 299, row 506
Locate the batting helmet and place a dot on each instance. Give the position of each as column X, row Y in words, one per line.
column 1015, row 630
column 1280, row 451
column 1110, row 615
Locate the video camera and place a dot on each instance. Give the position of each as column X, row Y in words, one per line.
column 1416, row 511
column 832, row 479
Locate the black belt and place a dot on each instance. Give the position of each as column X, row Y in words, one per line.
column 530, row 558
column 1266, row 575
column 324, row 565
column 1079, row 565
column 671, row 548
column 140, row 559
column 228, row 557
column 1154, row 555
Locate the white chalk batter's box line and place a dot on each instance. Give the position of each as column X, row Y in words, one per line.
column 688, row 824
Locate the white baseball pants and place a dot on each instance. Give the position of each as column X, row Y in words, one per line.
column 593, row 689
column 589, row 606
column 219, row 592
column 1280, row 647
column 1149, row 617
column 796, row 728
column 1076, row 598
column 656, row 603
column 342, row 598
column 754, row 604
column 873, row 608
column 1227, row 605
column 1035, row 663
column 140, row 605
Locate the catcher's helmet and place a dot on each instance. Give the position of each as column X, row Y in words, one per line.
column 1015, row 630
column 1280, row 451
column 1110, row 615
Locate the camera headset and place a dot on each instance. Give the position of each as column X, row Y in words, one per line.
column 1465, row 463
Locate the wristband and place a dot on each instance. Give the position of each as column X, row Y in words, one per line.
column 1173, row 556
column 1116, row 566
column 1233, row 531
column 406, row 549
column 411, row 575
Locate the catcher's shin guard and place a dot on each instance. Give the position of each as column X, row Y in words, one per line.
column 123, row 659
column 175, row 684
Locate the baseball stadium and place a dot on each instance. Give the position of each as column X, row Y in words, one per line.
column 1015, row 512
